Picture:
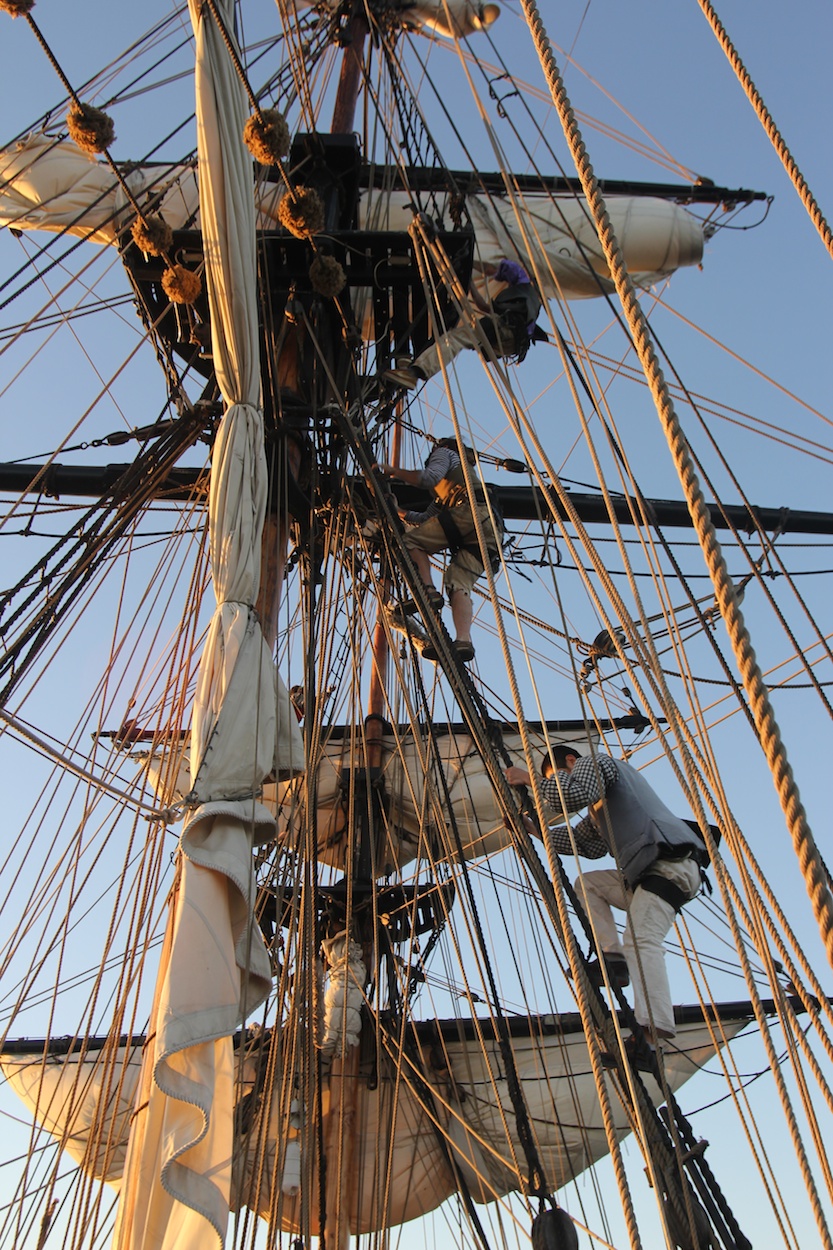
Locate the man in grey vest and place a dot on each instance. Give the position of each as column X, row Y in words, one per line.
column 658, row 857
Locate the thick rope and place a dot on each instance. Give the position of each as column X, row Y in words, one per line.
column 766, row 725
column 773, row 133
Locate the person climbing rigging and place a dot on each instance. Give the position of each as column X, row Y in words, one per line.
column 508, row 324
column 659, row 859
column 448, row 524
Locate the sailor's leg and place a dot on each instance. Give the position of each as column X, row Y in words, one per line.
column 422, row 542
column 462, row 614
column 649, row 920
column 451, row 344
column 423, row 563
column 461, row 574
column 598, row 892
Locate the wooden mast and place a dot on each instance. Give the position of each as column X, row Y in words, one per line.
column 344, row 1072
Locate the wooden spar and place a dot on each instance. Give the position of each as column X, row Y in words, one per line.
column 344, row 110
column 376, row 702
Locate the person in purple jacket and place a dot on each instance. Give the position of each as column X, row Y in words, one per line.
column 508, row 325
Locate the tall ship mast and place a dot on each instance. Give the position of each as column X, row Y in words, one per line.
column 301, row 941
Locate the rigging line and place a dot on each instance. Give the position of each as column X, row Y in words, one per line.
column 645, row 510
column 737, row 1091
column 717, row 681
column 772, row 743
column 408, row 151
column 724, row 412
column 749, row 859
column 588, row 259
column 641, row 521
column 558, row 884
column 56, row 261
column 519, row 423
column 53, row 302
column 140, row 476
column 10, row 334
column 747, row 364
column 522, row 1117
column 541, row 452
column 752, row 920
column 673, row 1124
column 126, row 94
column 155, row 31
column 553, row 155
column 39, row 629
column 475, row 717
column 715, row 704
column 74, row 428
column 41, row 793
column 128, row 193
column 164, row 815
column 767, row 542
column 513, row 191
column 761, row 581
column 71, row 226
column 766, row 120
column 658, row 155
column 297, row 60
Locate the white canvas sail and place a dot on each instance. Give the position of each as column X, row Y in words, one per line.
column 444, row 1122
column 439, row 800
column 47, row 183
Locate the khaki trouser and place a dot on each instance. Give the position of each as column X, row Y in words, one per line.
column 649, row 920
column 461, row 337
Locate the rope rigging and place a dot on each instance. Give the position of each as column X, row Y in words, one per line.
column 502, row 946
column 802, row 837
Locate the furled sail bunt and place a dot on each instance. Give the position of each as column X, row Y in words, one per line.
column 87, row 1106
column 215, row 969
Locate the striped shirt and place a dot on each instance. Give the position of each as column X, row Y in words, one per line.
column 439, row 464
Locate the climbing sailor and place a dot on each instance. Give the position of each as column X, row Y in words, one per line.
column 659, row 859
column 448, row 524
column 508, row 326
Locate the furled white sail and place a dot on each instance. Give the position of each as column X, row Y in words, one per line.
column 216, row 969
column 49, row 184
column 85, row 1100
column 554, row 236
column 453, row 18
column 438, row 798
column 440, row 1111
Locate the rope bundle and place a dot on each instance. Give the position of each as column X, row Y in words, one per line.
column 266, row 135
column 152, row 235
column 181, row 285
column 90, row 128
column 327, row 276
column 302, row 212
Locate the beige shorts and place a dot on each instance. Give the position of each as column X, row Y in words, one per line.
column 465, row 567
